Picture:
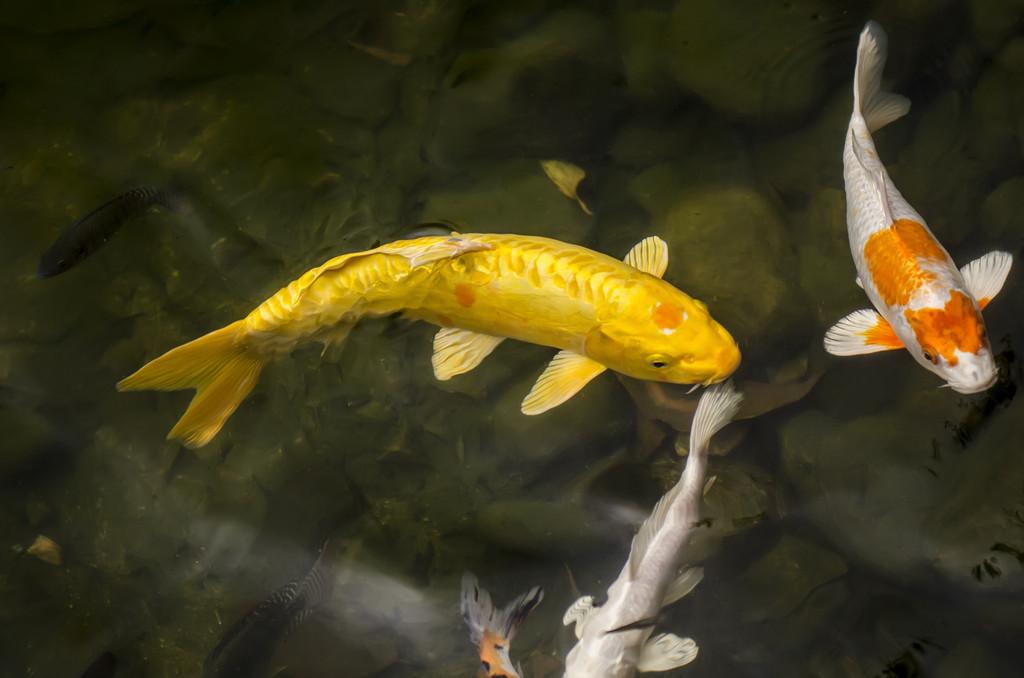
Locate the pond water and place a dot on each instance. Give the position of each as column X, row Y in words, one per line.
column 864, row 523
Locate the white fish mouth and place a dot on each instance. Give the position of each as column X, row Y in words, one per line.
column 976, row 387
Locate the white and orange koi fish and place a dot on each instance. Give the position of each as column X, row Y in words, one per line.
column 492, row 630
column 925, row 304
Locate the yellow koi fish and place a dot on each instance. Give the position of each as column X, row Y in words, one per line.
column 481, row 289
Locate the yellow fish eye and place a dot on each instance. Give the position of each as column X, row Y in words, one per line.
column 658, row 361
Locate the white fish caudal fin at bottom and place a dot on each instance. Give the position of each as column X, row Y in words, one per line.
column 922, row 302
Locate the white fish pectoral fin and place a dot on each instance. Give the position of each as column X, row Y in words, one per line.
column 683, row 584
column 665, row 652
column 565, row 375
column 878, row 108
column 985, row 276
column 860, row 283
column 861, row 332
column 650, row 255
column 578, row 613
column 458, row 351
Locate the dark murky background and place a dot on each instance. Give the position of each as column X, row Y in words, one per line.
column 874, row 527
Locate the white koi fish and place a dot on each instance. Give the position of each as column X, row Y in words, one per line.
column 615, row 639
column 924, row 303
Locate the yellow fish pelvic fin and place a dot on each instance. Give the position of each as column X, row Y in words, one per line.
column 458, row 351
column 565, row 375
column 221, row 369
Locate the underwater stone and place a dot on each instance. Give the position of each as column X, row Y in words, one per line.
column 1000, row 215
column 28, row 440
column 721, row 237
column 642, row 37
column 514, row 196
column 542, row 528
column 529, row 95
column 782, row 70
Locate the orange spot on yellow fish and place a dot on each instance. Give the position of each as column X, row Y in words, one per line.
column 894, row 257
column 942, row 331
column 489, row 655
column 465, row 295
column 882, row 334
column 667, row 316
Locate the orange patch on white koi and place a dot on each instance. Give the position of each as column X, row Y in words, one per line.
column 894, row 257
column 983, row 302
column 666, row 316
column 490, row 659
column 957, row 326
column 465, row 295
column 882, row 334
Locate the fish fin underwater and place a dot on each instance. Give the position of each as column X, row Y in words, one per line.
column 861, row 332
column 492, row 630
column 986, row 275
column 459, row 351
column 650, row 255
column 666, row 651
column 221, row 369
column 565, row 376
column 877, row 107
column 578, row 613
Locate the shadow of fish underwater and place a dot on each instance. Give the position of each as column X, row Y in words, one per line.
column 248, row 647
column 81, row 239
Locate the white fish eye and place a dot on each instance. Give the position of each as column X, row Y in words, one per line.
column 930, row 357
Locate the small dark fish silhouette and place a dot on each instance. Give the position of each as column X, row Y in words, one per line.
column 105, row 666
column 246, row 649
column 91, row 232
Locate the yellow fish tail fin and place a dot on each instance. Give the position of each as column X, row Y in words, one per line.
column 218, row 366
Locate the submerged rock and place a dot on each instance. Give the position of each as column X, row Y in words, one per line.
column 528, row 95
column 542, row 528
column 509, row 197
column 721, row 237
column 782, row 69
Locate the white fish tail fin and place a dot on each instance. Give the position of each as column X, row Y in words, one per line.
column 480, row 615
column 717, row 407
column 878, row 108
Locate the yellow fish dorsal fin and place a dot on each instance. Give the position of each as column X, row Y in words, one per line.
column 650, row 255
column 416, row 253
column 566, row 374
column 458, row 351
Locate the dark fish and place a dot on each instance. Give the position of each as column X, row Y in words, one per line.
column 89, row 233
column 104, row 667
column 246, row 649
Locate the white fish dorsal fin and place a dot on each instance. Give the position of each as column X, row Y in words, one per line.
column 565, row 375
column 650, row 255
column 878, row 108
column 578, row 613
column 458, row 351
column 985, row 276
column 718, row 406
column 861, row 332
column 683, row 584
column 665, row 652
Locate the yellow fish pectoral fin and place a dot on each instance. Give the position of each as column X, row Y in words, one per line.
column 566, row 374
column 650, row 255
column 458, row 351
column 985, row 276
column 863, row 331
